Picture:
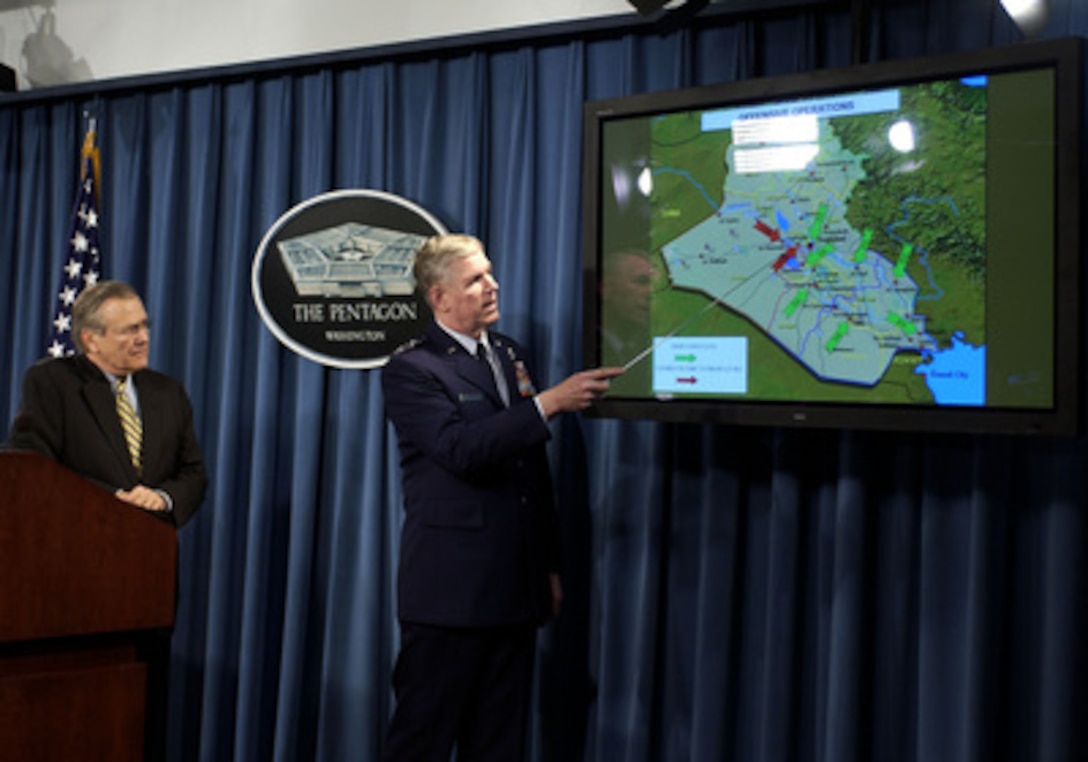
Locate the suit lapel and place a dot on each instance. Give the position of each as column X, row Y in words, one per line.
column 151, row 415
column 103, row 408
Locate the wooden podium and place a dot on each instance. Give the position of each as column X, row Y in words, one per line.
column 87, row 588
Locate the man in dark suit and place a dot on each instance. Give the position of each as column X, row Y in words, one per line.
column 69, row 410
column 479, row 558
column 72, row 411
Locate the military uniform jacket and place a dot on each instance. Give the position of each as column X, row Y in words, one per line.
column 480, row 532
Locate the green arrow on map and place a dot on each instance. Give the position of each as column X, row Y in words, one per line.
column 815, row 257
column 904, row 257
column 796, row 302
column 818, row 223
column 842, row 330
column 863, row 247
column 904, row 325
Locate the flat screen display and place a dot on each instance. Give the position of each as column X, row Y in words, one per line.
column 886, row 246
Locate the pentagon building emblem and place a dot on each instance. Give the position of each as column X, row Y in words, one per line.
column 332, row 278
column 352, row 260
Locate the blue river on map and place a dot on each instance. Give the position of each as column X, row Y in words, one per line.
column 957, row 375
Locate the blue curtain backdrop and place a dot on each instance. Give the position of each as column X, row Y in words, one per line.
column 733, row 594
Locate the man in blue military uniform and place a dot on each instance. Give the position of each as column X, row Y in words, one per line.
column 479, row 559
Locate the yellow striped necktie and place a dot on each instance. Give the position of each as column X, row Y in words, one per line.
column 130, row 423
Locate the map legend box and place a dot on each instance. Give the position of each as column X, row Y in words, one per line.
column 701, row 364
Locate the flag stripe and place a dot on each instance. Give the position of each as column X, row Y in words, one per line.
column 82, row 260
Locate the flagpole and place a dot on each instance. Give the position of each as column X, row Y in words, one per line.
column 82, row 265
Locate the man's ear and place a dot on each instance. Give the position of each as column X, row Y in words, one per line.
column 87, row 337
column 434, row 298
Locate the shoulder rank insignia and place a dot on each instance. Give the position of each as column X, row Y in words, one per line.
column 410, row 344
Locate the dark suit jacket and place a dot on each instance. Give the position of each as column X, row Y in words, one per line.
column 68, row 413
column 480, row 532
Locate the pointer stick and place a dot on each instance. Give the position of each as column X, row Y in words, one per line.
column 648, row 350
column 638, row 358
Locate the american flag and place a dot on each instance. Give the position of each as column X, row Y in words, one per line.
column 83, row 265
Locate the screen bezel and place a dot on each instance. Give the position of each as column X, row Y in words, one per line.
column 1063, row 418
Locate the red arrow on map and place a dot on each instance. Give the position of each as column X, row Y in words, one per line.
column 766, row 230
column 782, row 260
